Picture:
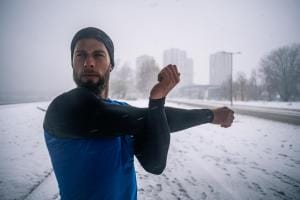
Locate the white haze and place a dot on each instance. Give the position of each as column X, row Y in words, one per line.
column 35, row 35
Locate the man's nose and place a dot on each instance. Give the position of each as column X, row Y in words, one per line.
column 89, row 62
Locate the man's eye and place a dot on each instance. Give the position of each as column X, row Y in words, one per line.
column 79, row 54
column 98, row 55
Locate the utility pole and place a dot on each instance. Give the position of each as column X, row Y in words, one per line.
column 231, row 74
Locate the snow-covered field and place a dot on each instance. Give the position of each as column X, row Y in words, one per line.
column 24, row 157
column 253, row 159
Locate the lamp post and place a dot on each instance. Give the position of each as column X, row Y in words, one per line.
column 231, row 74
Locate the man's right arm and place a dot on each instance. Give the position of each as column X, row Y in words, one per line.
column 80, row 114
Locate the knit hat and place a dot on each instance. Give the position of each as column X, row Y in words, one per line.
column 95, row 33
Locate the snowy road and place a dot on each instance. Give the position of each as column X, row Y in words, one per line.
column 253, row 159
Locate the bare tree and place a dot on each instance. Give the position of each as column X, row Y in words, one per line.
column 122, row 82
column 253, row 88
column 224, row 92
column 146, row 74
column 281, row 72
column 241, row 85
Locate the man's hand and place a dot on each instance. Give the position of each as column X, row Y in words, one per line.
column 223, row 116
column 168, row 77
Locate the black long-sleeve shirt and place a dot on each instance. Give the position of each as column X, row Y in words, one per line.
column 80, row 113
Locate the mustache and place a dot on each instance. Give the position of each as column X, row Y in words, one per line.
column 89, row 73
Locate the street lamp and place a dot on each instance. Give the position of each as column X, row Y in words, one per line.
column 231, row 74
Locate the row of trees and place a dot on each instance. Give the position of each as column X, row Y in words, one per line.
column 281, row 72
column 126, row 83
column 243, row 88
column 277, row 78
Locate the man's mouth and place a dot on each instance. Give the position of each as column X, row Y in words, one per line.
column 89, row 75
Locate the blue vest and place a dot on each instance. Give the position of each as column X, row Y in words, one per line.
column 94, row 169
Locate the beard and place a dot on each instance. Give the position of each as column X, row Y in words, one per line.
column 95, row 86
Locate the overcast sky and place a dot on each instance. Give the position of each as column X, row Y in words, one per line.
column 35, row 35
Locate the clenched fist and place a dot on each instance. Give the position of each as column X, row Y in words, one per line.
column 223, row 116
column 167, row 78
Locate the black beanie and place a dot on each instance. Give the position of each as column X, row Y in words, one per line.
column 95, row 33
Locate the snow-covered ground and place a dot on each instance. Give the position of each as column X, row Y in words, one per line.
column 23, row 155
column 253, row 159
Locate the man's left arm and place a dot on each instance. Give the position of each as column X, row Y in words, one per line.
column 180, row 119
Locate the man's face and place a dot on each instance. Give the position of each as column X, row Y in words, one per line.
column 91, row 64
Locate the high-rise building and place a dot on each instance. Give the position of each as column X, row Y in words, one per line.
column 185, row 65
column 188, row 72
column 220, row 64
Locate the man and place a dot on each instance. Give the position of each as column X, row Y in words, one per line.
column 92, row 139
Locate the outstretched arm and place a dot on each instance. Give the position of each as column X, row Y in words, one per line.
column 79, row 113
column 180, row 119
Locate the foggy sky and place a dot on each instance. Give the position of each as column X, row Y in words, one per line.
column 35, row 35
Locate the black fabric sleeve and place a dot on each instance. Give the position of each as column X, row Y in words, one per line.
column 79, row 113
column 180, row 119
column 153, row 145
